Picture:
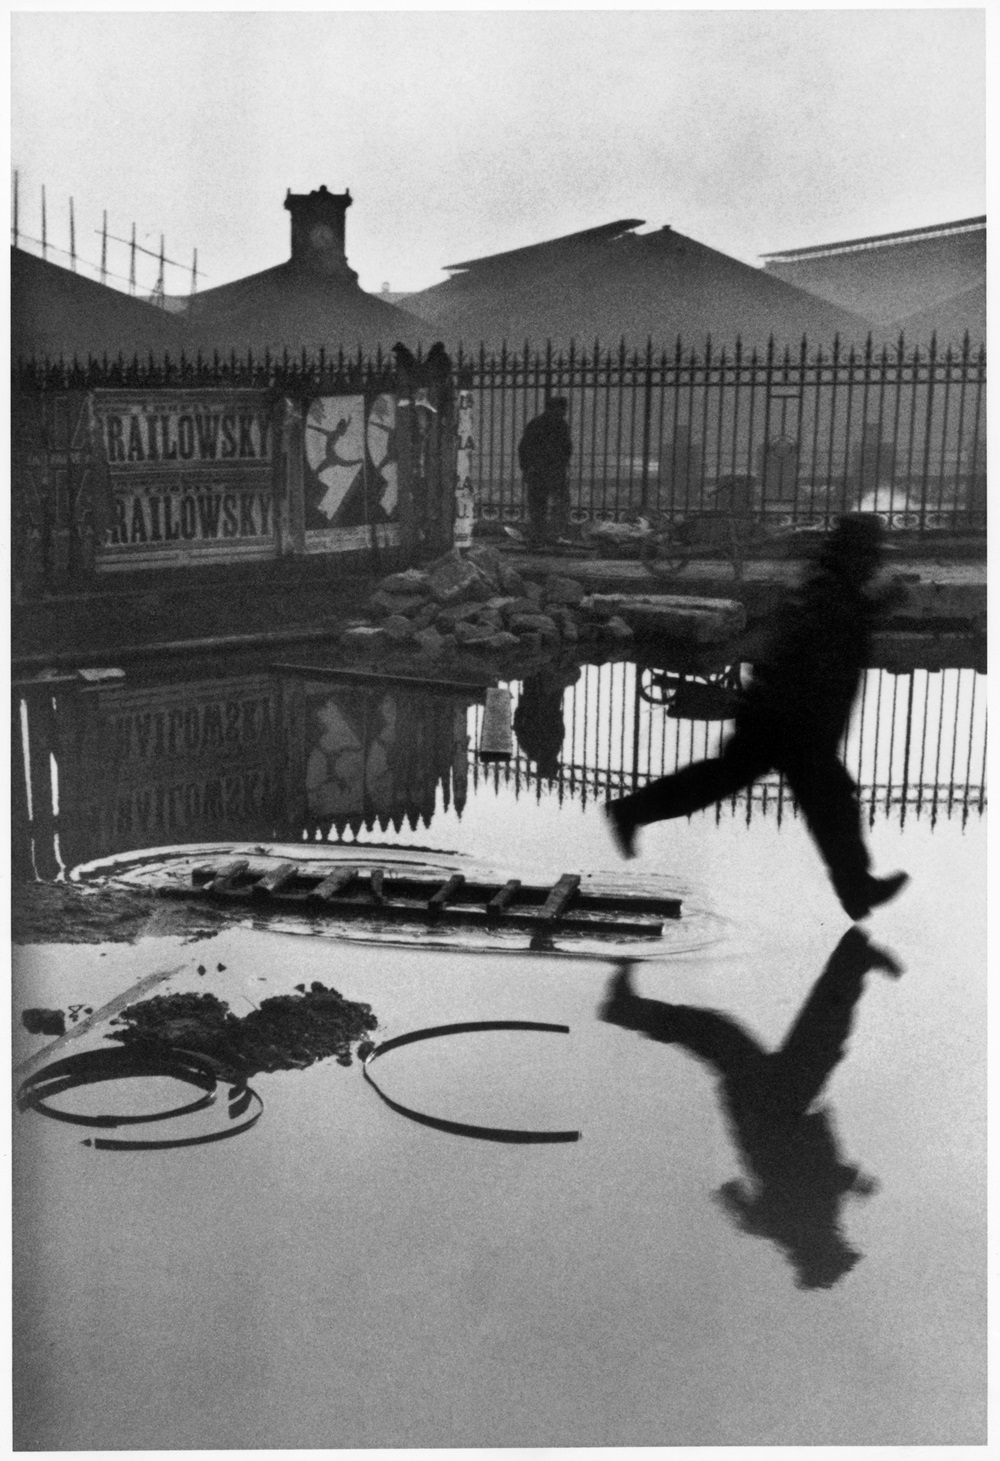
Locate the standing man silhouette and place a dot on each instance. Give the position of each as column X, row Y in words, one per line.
column 544, row 452
column 792, row 717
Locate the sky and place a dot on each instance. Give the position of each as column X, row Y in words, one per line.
column 465, row 132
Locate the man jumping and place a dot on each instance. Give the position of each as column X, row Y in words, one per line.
column 792, row 717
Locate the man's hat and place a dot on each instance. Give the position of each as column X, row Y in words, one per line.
column 855, row 543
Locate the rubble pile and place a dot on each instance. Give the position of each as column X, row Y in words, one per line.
column 478, row 603
column 43, row 1022
column 287, row 1032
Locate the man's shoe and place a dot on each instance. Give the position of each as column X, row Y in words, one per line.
column 622, row 828
column 876, row 892
column 617, row 1006
column 883, row 889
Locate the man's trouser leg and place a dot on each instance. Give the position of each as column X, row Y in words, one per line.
column 536, row 496
column 828, row 798
column 698, row 786
column 560, row 500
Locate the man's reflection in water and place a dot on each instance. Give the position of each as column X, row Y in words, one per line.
column 538, row 719
column 789, row 1150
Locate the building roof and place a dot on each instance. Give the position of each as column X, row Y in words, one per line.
column 890, row 277
column 56, row 312
column 949, row 319
column 288, row 307
column 529, row 251
column 612, row 282
column 878, row 240
column 312, row 301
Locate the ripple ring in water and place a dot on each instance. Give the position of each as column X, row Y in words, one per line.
column 461, row 1128
column 94, row 1066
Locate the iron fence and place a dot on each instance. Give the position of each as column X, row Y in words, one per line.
column 296, row 374
column 781, row 439
column 777, row 439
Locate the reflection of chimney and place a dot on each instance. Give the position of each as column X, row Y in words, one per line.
column 318, row 232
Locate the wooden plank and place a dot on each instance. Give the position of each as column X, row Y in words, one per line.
column 334, row 883
column 559, row 898
column 447, row 890
column 374, row 677
column 226, row 874
column 527, row 922
column 277, row 879
column 472, row 891
column 502, row 900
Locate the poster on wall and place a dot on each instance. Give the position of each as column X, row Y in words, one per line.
column 190, row 474
column 351, row 483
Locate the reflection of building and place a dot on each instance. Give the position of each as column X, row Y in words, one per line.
column 167, row 764
column 259, row 757
column 376, row 757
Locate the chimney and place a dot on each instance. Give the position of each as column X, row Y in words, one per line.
column 318, row 232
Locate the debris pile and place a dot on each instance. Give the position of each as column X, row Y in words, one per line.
column 43, row 1022
column 287, row 1032
column 479, row 603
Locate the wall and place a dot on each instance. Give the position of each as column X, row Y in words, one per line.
column 120, row 478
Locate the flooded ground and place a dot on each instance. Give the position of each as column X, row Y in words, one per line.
column 703, row 1266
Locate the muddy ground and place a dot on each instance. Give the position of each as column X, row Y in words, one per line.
column 74, row 913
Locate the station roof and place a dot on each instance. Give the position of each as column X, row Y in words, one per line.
column 56, row 312
column 611, row 282
column 880, row 240
column 288, row 307
column 893, row 277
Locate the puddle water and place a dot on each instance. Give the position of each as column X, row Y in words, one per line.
column 709, row 1263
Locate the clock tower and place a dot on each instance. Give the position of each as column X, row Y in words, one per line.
column 318, row 231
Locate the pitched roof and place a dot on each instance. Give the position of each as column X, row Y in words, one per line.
column 949, row 319
column 551, row 246
column 879, row 240
column 891, row 276
column 611, row 282
column 289, row 307
column 56, row 312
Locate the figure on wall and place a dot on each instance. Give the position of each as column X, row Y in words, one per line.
column 350, row 448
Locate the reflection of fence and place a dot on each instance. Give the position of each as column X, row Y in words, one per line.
column 916, row 746
column 116, row 768
column 796, row 437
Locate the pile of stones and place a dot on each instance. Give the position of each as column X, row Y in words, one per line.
column 478, row 603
